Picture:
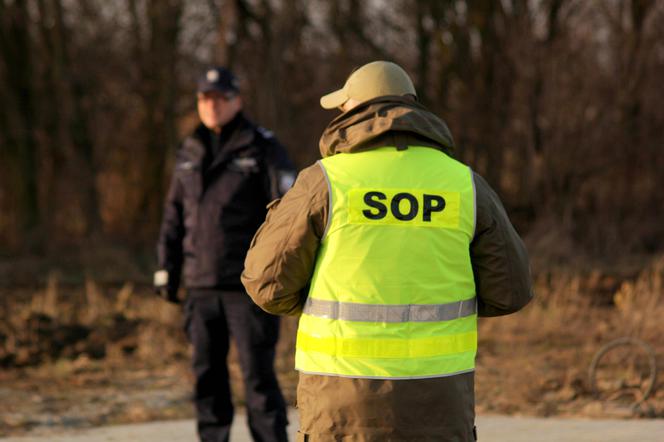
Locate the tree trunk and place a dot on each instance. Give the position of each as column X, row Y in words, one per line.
column 78, row 125
column 21, row 149
column 158, row 90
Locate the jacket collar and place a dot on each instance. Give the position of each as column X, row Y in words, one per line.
column 193, row 148
column 392, row 120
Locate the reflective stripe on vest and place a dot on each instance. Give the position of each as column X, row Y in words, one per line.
column 393, row 294
column 350, row 311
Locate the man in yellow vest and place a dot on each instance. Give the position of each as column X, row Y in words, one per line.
column 390, row 249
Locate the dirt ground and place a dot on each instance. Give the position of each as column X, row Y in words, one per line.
column 78, row 357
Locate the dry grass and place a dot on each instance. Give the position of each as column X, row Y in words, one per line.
column 120, row 353
column 90, row 355
column 536, row 362
column 65, row 322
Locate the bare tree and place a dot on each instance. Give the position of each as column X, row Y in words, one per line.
column 19, row 145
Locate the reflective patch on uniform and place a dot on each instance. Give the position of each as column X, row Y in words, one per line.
column 187, row 165
column 405, row 207
column 266, row 133
column 286, row 180
column 245, row 164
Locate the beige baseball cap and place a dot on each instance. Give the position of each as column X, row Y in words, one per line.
column 372, row 80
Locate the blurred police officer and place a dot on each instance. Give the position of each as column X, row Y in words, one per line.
column 226, row 173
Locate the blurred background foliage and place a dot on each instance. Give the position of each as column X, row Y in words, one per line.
column 558, row 103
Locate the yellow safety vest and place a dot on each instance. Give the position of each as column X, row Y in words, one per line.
column 393, row 293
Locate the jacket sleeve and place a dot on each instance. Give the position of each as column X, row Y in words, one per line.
column 281, row 172
column 281, row 259
column 499, row 258
column 171, row 234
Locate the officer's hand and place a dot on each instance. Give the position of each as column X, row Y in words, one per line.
column 163, row 289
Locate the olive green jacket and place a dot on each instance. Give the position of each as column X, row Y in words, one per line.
column 282, row 257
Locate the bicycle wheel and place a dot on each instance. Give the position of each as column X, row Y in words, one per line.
column 623, row 371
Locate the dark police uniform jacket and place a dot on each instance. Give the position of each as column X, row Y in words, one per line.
column 217, row 200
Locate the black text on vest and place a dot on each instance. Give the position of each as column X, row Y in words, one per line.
column 430, row 204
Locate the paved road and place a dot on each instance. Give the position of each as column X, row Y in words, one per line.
column 490, row 428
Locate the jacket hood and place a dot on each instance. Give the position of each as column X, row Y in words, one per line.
column 385, row 121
